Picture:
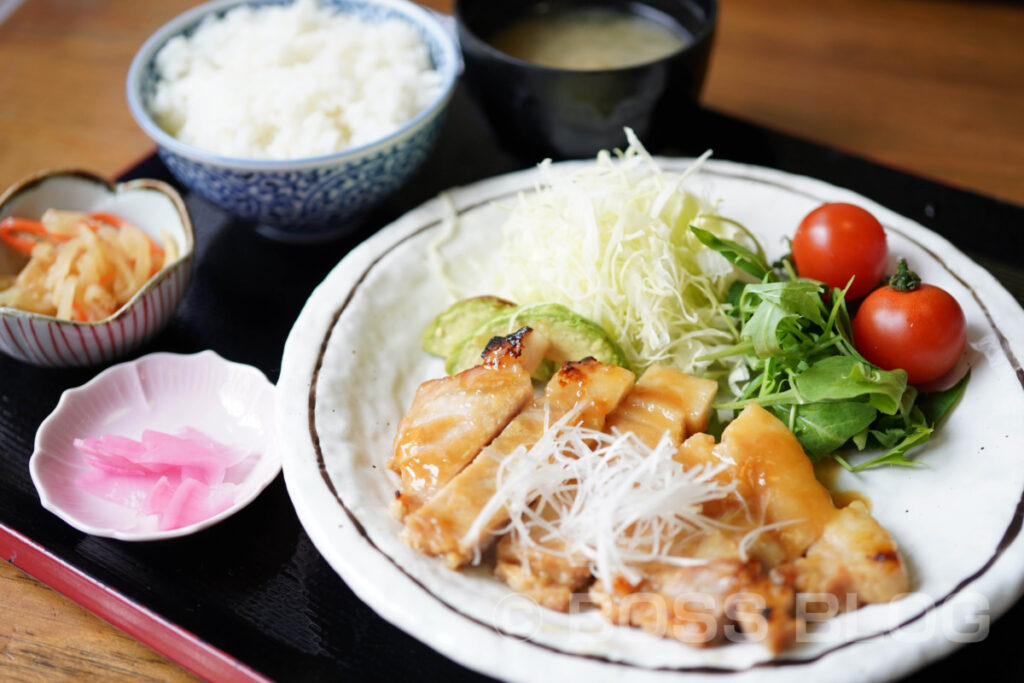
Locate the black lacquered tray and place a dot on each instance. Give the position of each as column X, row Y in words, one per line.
column 252, row 595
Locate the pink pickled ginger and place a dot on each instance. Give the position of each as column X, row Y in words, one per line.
column 182, row 479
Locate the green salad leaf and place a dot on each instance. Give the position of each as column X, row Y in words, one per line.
column 848, row 377
column 824, row 427
column 738, row 255
column 937, row 405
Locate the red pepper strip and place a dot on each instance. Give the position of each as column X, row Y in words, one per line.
column 80, row 314
column 108, row 218
column 12, row 227
column 118, row 222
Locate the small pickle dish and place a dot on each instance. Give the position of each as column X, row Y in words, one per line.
column 100, row 327
column 158, row 447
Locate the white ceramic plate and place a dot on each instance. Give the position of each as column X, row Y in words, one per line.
column 352, row 364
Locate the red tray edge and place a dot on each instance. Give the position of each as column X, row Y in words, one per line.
column 181, row 646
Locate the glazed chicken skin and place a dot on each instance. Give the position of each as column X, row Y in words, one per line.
column 444, row 525
column 664, row 401
column 452, row 418
column 855, row 557
column 699, row 605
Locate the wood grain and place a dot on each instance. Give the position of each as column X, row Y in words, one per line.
column 43, row 635
column 936, row 88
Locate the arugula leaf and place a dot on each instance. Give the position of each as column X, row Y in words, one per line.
column 838, row 378
column 735, row 292
column 799, row 297
column 782, row 318
column 897, row 455
column 937, row 405
column 916, row 425
column 821, row 428
column 736, row 254
column 885, row 438
column 762, row 329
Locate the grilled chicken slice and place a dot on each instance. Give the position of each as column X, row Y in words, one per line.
column 549, row 578
column 855, row 557
column 444, row 524
column 703, row 605
column 848, row 553
column 452, row 418
column 699, row 394
column 660, row 403
column 729, row 596
column 663, row 401
column 813, row 547
column 776, row 478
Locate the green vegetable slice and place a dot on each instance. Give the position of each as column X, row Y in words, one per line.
column 572, row 337
column 451, row 326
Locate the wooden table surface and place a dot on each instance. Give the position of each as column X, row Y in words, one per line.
column 935, row 88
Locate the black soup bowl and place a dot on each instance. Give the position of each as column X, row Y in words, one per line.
column 540, row 111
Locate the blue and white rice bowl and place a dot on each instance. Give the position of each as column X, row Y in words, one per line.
column 314, row 198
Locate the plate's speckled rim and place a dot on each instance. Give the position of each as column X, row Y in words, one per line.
column 341, row 537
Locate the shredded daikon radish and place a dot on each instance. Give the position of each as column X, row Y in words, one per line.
column 612, row 242
column 81, row 267
column 616, row 501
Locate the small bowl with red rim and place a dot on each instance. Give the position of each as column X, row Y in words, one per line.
column 154, row 207
column 163, row 399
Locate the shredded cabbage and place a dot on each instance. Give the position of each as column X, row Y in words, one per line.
column 612, row 242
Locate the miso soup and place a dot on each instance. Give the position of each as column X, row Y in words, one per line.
column 589, row 39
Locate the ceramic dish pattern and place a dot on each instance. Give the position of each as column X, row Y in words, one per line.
column 352, row 364
column 230, row 403
column 152, row 205
column 324, row 196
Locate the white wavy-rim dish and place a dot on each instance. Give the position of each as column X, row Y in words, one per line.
column 231, row 403
column 352, row 363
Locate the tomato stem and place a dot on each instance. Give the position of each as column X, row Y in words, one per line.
column 905, row 280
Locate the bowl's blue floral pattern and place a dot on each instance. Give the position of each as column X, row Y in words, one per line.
column 311, row 200
column 308, row 198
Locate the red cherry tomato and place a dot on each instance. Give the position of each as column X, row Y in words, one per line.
column 838, row 241
column 922, row 329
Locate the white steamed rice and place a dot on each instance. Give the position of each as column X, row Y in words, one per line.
column 287, row 82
